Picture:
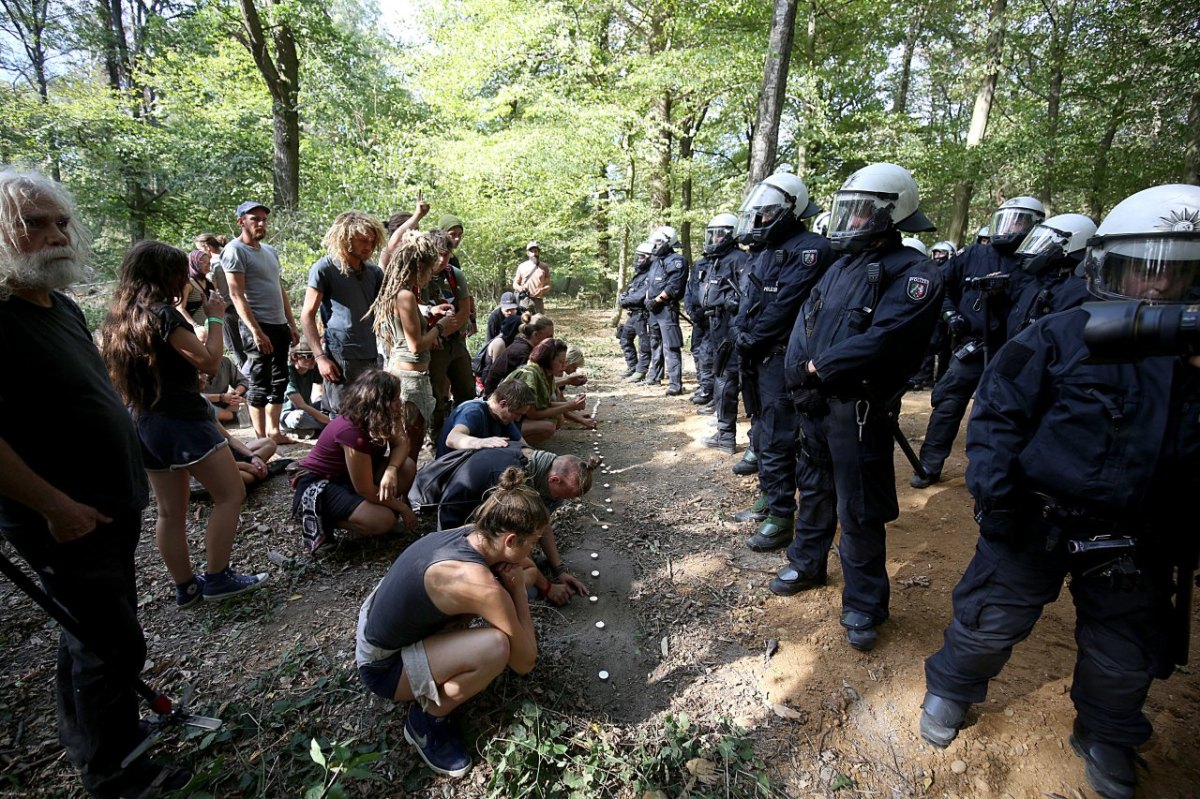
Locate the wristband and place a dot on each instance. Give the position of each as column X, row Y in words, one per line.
column 216, row 319
column 319, row 357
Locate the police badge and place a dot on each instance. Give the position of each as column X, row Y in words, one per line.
column 808, row 257
column 918, row 288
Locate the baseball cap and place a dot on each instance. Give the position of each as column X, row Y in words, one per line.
column 532, row 245
column 249, row 206
column 508, row 301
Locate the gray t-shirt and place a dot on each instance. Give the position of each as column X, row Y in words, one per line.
column 345, row 300
column 260, row 265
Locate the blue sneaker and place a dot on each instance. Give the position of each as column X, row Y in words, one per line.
column 436, row 743
column 227, row 583
column 189, row 594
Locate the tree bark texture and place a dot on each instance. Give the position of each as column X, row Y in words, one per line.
column 660, row 179
column 765, row 141
column 282, row 76
column 1094, row 204
column 1191, row 151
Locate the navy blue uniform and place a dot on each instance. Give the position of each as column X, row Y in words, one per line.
column 1061, row 450
column 633, row 299
column 952, row 393
column 937, row 355
column 1047, row 293
column 702, row 352
column 719, row 300
column 669, row 274
column 778, row 280
column 865, row 322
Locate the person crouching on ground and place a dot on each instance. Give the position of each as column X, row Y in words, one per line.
column 358, row 474
column 154, row 358
column 570, row 378
column 487, row 423
column 547, row 361
column 408, row 646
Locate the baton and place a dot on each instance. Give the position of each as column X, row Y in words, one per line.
column 898, row 434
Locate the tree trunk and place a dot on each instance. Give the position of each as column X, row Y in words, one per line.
column 282, row 76
column 804, row 152
column 774, row 87
column 1191, row 151
column 915, row 26
column 1094, row 204
column 1059, row 36
column 603, row 237
column 660, row 180
column 691, row 127
column 979, row 120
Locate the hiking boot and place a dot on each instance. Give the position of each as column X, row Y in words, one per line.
column 700, row 398
column 723, row 443
column 707, row 410
column 861, row 630
column 747, row 465
column 628, row 373
column 789, row 582
column 758, row 511
column 774, row 533
column 636, row 377
column 673, row 392
column 941, row 719
column 189, row 594
column 1109, row 768
column 436, row 743
column 918, row 481
column 228, row 583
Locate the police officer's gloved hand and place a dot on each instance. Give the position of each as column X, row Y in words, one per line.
column 957, row 324
column 1000, row 525
column 809, row 402
column 743, row 341
column 731, row 308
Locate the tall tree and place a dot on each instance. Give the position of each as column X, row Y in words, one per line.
column 765, row 138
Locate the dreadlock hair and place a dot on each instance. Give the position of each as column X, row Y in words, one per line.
column 342, row 232
column 415, row 255
column 151, row 273
column 367, row 403
column 441, row 240
column 511, row 507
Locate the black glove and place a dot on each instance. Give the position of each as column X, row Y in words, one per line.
column 656, row 306
column 998, row 525
column 957, row 324
column 809, row 402
column 743, row 341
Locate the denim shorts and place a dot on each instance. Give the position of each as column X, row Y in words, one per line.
column 383, row 677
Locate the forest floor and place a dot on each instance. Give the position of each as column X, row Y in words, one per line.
column 693, row 705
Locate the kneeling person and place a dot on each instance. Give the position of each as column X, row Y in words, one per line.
column 487, row 423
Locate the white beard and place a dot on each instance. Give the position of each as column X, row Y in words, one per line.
column 45, row 270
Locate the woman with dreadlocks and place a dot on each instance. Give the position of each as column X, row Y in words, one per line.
column 409, row 334
column 155, row 358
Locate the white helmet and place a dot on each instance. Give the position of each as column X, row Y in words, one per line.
column 820, row 225
column 916, row 244
column 984, row 236
column 942, row 246
column 641, row 256
column 1014, row 219
column 1064, row 234
column 872, row 201
column 773, row 207
column 718, row 234
column 1148, row 247
column 663, row 240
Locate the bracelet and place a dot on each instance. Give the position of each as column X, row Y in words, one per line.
column 391, row 466
column 216, row 319
column 319, row 357
column 559, row 570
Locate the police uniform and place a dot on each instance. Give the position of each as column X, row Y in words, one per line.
column 937, row 354
column 985, row 315
column 719, row 298
column 1061, row 452
column 778, row 280
column 637, row 356
column 863, row 326
column 702, row 353
column 668, row 273
column 1051, row 291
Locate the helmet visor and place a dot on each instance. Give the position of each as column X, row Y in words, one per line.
column 1012, row 223
column 858, row 214
column 714, row 237
column 1152, row 268
column 1044, row 239
column 762, row 206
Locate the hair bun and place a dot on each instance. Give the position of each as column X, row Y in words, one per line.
column 511, row 478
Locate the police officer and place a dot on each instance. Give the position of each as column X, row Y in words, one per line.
column 637, row 355
column 786, row 260
column 1050, row 254
column 719, row 293
column 1090, row 470
column 983, row 236
column 702, row 352
column 859, row 336
column 665, row 285
column 937, row 355
column 975, row 310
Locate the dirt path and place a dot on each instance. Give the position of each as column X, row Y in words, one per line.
column 687, row 617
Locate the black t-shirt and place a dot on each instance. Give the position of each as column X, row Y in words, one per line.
column 61, row 415
column 179, row 389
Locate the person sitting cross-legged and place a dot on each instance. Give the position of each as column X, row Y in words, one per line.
column 358, row 473
column 487, row 423
column 410, row 644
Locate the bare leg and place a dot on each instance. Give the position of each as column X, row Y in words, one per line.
column 463, row 663
column 170, row 533
column 219, row 474
column 273, row 431
column 370, row 519
column 535, row 431
column 258, row 420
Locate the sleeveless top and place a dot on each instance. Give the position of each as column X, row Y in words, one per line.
column 399, row 342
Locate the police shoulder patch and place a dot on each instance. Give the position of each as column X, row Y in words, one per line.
column 809, row 257
column 917, row 288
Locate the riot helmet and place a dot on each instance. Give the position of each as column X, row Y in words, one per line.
column 718, row 234
column 1148, row 248
column 873, row 201
column 1060, row 239
column 663, row 240
column 916, row 244
column 941, row 252
column 820, row 225
column 1014, row 219
column 984, row 236
column 773, row 208
column 642, row 255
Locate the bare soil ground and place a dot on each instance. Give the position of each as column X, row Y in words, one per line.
column 687, row 620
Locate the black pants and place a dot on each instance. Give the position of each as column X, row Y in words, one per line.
column 267, row 372
column 627, row 336
column 350, row 368
column 1120, row 635
column 702, row 357
column 843, row 478
column 670, row 346
column 949, row 399
column 775, row 438
column 93, row 578
column 232, row 333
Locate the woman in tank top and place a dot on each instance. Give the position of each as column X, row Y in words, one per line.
column 410, row 335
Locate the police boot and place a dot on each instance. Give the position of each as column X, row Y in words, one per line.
column 636, row 377
column 774, row 533
column 707, row 410
column 1109, row 768
column 628, row 373
column 701, row 398
column 723, row 443
column 789, row 582
column 748, row 464
column 941, row 719
column 758, row 511
column 929, row 479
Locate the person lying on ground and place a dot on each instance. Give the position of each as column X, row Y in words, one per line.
column 226, row 390
column 544, row 417
column 457, row 483
column 300, row 411
column 570, row 378
column 410, row 645
column 358, row 474
column 487, row 423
